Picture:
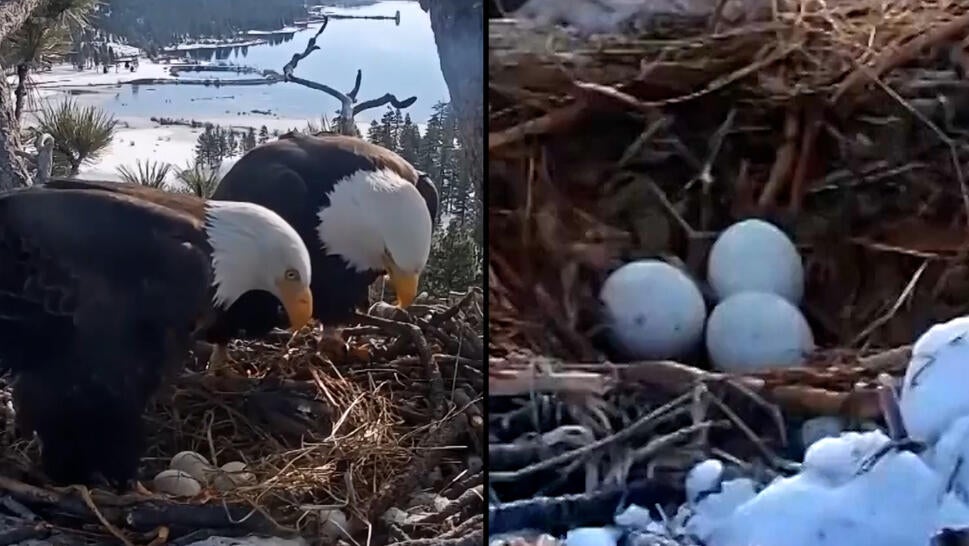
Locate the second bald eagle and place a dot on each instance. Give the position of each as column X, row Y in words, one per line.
column 361, row 209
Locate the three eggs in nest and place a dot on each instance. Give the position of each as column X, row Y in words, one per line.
column 654, row 310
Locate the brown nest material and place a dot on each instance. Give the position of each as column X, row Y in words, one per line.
column 844, row 122
column 363, row 423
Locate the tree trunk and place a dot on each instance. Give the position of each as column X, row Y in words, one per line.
column 21, row 91
column 459, row 34
column 13, row 170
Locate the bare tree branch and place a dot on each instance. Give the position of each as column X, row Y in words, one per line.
column 387, row 98
column 338, row 95
column 348, row 101
column 356, row 85
column 310, row 48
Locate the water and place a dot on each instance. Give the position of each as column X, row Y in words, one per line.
column 400, row 59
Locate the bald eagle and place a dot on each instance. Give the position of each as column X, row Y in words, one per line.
column 361, row 209
column 100, row 294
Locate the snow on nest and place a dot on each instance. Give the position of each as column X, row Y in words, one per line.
column 851, row 489
column 935, row 387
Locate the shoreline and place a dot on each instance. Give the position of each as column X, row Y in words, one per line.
column 145, row 138
column 165, row 134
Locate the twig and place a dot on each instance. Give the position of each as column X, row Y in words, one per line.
column 813, row 121
column 473, row 539
column 770, row 457
column 892, row 57
column 780, row 172
column 86, row 496
column 436, row 396
column 906, row 292
column 555, row 120
column 467, row 526
column 641, row 424
column 471, row 501
column 445, row 434
column 558, row 514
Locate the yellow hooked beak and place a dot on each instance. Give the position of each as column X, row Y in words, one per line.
column 298, row 302
column 405, row 284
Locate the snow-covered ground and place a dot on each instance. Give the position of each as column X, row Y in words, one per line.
column 213, row 45
column 143, row 140
column 172, row 144
column 63, row 76
column 283, row 30
column 140, row 138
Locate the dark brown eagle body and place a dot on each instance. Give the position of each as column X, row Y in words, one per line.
column 98, row 294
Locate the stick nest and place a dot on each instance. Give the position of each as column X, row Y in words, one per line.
column 362, row 422
column 843, row 122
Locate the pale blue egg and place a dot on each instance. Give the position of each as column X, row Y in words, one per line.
column 755, row 256
column 653, row 310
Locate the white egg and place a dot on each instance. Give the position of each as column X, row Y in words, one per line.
column 176, row 483
column 653, row 309
column 191, row 463
column 755, row 331
column 756, row 256
column 232, row 474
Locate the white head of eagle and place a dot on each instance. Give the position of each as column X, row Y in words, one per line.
column 253, row 248
column 378, row 221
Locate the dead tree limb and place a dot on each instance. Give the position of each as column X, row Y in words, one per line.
column 349, row 107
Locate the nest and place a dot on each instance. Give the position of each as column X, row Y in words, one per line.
column 366, row 423
column 844, row 122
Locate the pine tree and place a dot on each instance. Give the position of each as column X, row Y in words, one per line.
column 397, row 120
column 232, row 143
column 203, row 146
column 455, row 262
column 375, row 132
column 249, row 140
column 457, row 246
column 383, row 133
column 263, row 134
column 409, row 142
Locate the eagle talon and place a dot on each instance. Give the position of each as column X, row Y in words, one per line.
column 142, row 490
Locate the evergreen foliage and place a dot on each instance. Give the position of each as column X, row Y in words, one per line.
column 152, row 24
column 81, row 133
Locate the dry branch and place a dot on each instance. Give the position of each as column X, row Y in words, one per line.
column 349, row 107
